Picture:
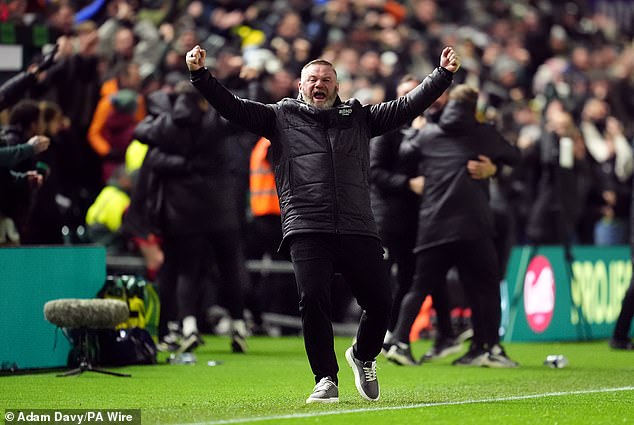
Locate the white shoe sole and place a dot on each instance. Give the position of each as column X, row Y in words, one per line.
column 479, row 361
column 357, row 378
column 322, row 400
column 444, row 353
column 399, row 359
column 465, row 335
column 501, row 364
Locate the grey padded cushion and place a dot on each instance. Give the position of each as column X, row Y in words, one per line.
column 89, row 313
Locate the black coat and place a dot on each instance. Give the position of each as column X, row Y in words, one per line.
column 394, row 205
column 455, row 206
column 15, row 89
column 190, row 188
column 321, row 156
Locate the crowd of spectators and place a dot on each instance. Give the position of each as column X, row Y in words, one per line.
column 545, row 70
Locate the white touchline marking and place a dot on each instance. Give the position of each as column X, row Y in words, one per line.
column 410, row 406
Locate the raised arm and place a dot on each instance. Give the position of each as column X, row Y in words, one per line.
column 387, row 116
column 14, row 89
column 253, row 116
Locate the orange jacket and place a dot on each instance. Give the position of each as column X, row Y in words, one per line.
column 264, row 199
column 102, row 112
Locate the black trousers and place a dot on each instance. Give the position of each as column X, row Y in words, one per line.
column 477, row 265
column 624, row 321
column 400, row 249
column 316, row 258
column 264, row 237
column 188, row 259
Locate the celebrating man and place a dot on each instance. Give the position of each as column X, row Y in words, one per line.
column 320, row 148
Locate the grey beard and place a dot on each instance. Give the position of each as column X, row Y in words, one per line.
column 329, row 103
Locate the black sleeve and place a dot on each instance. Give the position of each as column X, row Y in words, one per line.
column 149, row 130
column 15, row 88
column 410, row 150
column 166, row 164
column 84, row 68
column 250, row 115
column 504, row 152
column 387, row 116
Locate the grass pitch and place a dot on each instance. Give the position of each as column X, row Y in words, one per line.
column 272, row 381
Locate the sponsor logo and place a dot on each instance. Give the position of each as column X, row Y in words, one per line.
column 344, row 112
column 597, row 290
column 539, row 294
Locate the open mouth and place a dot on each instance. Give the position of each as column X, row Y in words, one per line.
column 319, row 95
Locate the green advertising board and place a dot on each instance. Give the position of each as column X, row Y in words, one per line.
column 31, row 277
column 554, row 296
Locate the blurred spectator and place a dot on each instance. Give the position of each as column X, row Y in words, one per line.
column 229, row 67
column 455, row 219
column 396, row 187
column 61, row 19
column 136, row 225
column 18, row 190
column 195, row 204
column 120, row 109
column 563, row 179
column 606, row 144
column 271, row 291
column 44, row 226
column 123, row 38
column 76, row 71
column 394, row 191
column 105, row 215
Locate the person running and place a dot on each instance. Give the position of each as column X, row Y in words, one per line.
column 320, row 154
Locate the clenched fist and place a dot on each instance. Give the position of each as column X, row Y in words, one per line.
column 195, row 58
column 449, row 59
column 40, row 143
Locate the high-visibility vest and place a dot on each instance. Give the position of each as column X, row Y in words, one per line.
column 264, row 200
column 108, row 208
column 134, row 155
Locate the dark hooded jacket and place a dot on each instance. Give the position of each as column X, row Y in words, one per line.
column 455, row 206
column 191, row 188
column 394, row 204
column 321, row 156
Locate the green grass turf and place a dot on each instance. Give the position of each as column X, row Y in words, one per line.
column 274, row 379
